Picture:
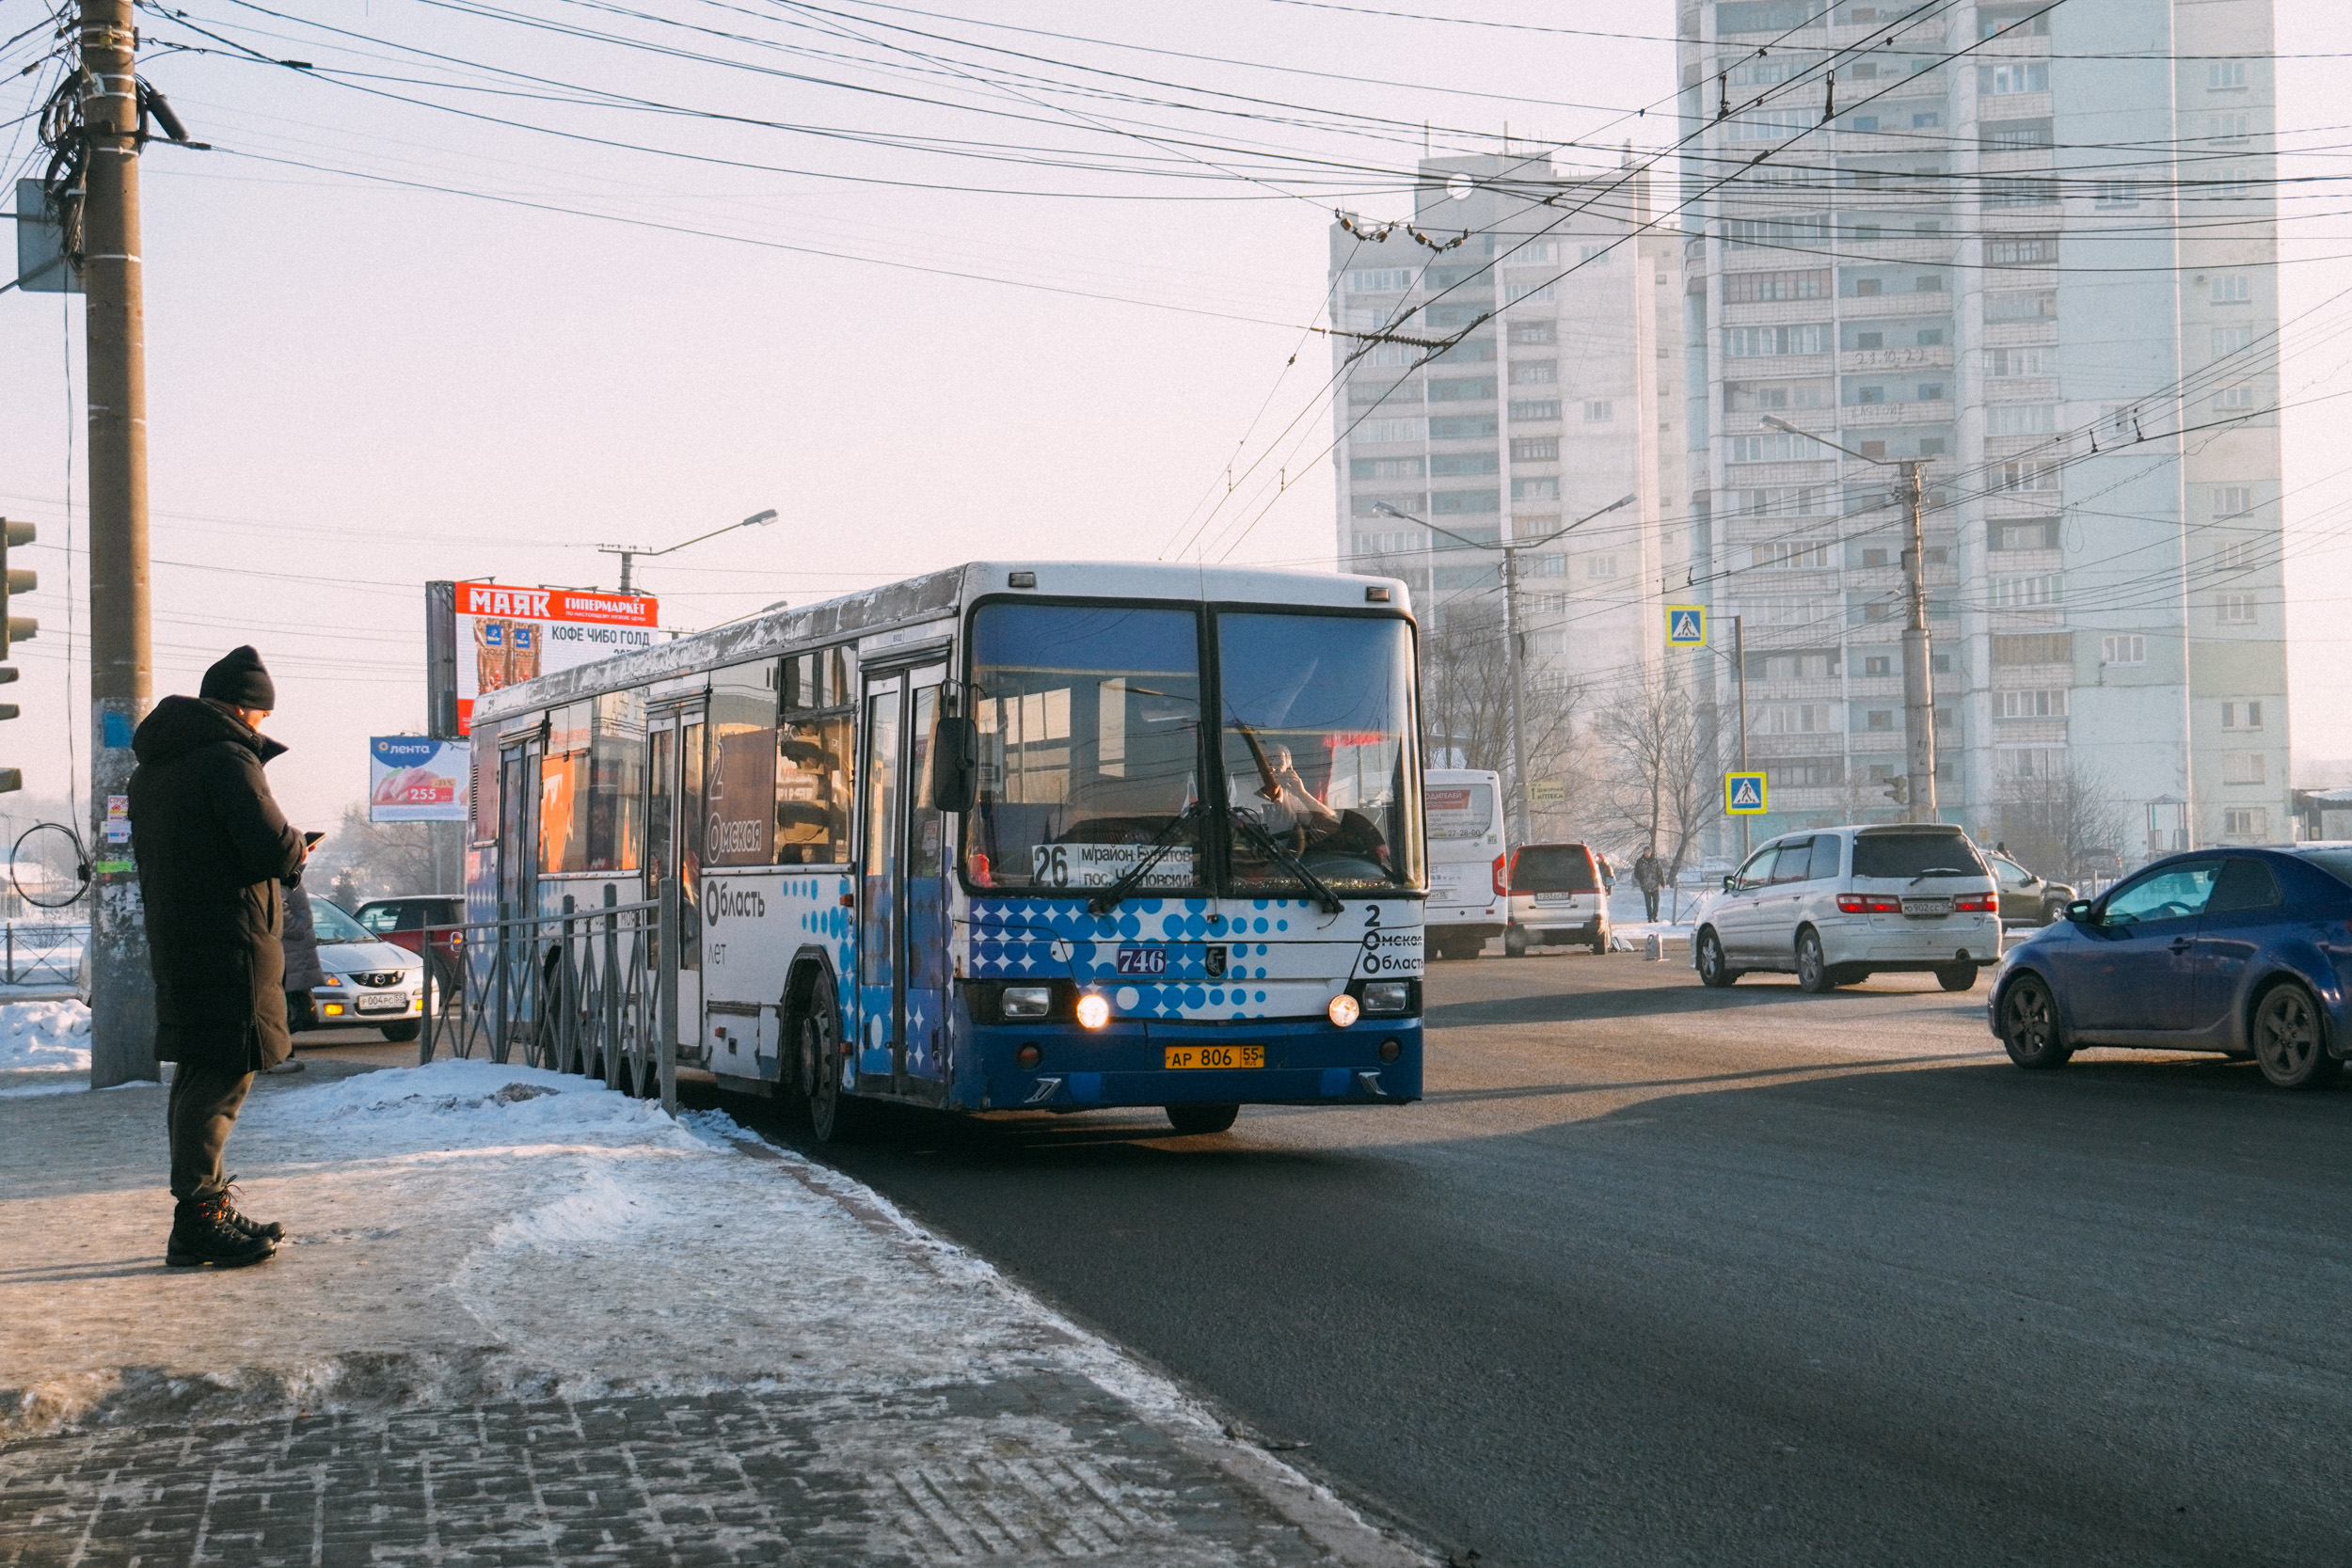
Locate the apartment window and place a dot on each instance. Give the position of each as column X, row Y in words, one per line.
column 1535, row 489
column 2048, row 588
column 1927, row 121
column 1999, row 81
column 1873, row 558
column 1878, row 719
column 1870, row 394
column 1599, row 411
column 1928, row 283
column 1533, row 409
column 2021, row 305
column 1811, row 228
column 2016, row 192
column 1930, row 337
column 1535, row 449
column 1384, row 468
column 2225, row 75
column 1551, row 565
column 1790, row 555
column 2234, row 397
column 1878, row 664
column 1872, row 612
column 2230, row 288
column 2124, row 648
column 2232, row 500
column 1930, row 391
column 2237, row 555
column 2231, row 339
column 2050, row 704
column 2020, row 419
column 1452, row 315
column 2034, row 533
column 1466, row 500
column 1477, row 389
column 2015, row 135
column 1865, row 287
column 1776, row 448
column 2030, row 474
column 2241, row 716
column 1526, row 373
column 1535, row 250
column 1372, row 506
column 2227, row 127
column 1450, row 463
column 1387, row 430
column 2231, row 187
column 1874, row 449
column 1757, row 287
column 1462, row 427
column 1869, row 340
column 2032, row 762
column 1595, row 253
column 2245, row 768
column 1769, row 124
column 2246, row 822
column 2021, row 250
column 1601, row 568
column 1863, row 122
column 1380, row 280
column 2012, row 364
column 1751, row 342
column 1514, row 293
column 2115, row 193
column 1535, row 332
column 2235, row 609
column 1796, row 719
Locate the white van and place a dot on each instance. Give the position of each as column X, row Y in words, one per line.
column 1836, row 904
column 1464, row 809
column 1559, row 893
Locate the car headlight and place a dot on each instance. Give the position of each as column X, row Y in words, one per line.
column 1027, row 1000
column 1388, row 996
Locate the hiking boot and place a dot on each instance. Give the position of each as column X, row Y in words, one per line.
column 272, row 1231
column 200, row 1233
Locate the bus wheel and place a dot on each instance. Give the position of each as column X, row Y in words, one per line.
column 835, row 1116
column 1194, row 1121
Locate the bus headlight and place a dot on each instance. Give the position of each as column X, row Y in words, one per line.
column 1095, row 1010
column 1027, row 1000
column 1388, row 996
column 1342, row 1010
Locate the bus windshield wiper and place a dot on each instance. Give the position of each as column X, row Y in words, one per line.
column 1297, row 867
column 1132, row 878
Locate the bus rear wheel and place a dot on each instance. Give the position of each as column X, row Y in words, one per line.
column 835, row 1114
column 1194, row 1121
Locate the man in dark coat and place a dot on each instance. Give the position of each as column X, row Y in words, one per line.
column 213, row 853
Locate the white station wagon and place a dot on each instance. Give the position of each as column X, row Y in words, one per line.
column 1836, row 904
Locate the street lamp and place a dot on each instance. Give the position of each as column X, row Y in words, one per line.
column 1918, row 691
column 628, row 552
column 1510, row 623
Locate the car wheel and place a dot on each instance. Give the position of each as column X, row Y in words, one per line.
column 1957, row 976
column 2030, row 1026
column 1713, row 970
column 403, row 1032
column 1601, row 940
column 2289, row 1041
column 1814, row 973
column 1515, row 942
column 1193, row 1121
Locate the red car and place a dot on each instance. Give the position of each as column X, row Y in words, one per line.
column 402, row 923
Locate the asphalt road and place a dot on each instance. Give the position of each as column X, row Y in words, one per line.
column 1660, row 1275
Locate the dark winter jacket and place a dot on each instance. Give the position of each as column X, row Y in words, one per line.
column 212, row 852
column 300, row 940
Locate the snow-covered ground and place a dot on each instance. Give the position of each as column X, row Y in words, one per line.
column 44, row 1036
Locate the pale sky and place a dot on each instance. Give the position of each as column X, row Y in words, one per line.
column 356, row 387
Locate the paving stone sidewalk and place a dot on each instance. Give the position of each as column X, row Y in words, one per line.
column 459, row 1373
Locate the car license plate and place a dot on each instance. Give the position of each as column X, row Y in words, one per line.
column 383, row 1004
column 1927, row 906
column 1214, row 1056
column 1143, row 960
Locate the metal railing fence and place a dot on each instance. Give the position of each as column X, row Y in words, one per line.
column 585, row 991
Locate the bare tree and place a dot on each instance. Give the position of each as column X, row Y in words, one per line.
column 1466, row 701
column 362, row 860
column 1658, row 770
column 2072, row 822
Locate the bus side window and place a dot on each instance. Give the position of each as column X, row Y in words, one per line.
column 816, row 760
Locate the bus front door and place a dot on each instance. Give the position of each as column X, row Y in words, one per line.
column 902, row 893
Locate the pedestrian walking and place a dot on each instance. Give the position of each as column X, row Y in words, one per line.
column 213, row 854
column 1649, row 875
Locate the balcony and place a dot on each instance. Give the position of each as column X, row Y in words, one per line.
column 1911, row 302
column 1897, row 249
column 1874, row 416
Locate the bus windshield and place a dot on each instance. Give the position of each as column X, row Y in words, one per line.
column 1089, row 722
column 1316, row 726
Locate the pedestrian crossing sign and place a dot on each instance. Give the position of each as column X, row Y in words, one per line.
column 1686, row 626
column 1743, row 794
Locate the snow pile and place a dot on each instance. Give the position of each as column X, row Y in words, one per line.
column 44, row 1036
column 462, row 1104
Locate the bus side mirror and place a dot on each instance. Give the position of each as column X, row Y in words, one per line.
column 955, row 764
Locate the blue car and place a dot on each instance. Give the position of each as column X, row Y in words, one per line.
column 2246, row 952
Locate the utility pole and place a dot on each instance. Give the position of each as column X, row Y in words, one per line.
column 1739, row 672
column 122, row 998
column 629, row 553
column 1918, row 685
column 1918, row 797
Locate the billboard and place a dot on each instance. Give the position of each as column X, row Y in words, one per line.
column 481, row 636
column 412, row 777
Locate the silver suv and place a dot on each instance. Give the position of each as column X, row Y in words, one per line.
column 1836, row 904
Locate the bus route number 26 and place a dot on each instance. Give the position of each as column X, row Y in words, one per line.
column 1049, row 866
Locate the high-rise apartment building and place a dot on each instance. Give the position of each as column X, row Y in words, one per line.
column 1560, row 398
column 2033, row 248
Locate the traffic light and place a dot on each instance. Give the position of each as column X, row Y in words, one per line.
column 13, row 629
column 1898, row 789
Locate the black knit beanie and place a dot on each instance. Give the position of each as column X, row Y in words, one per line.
column 238, row 680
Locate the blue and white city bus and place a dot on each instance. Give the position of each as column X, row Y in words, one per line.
column 1036, row 835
